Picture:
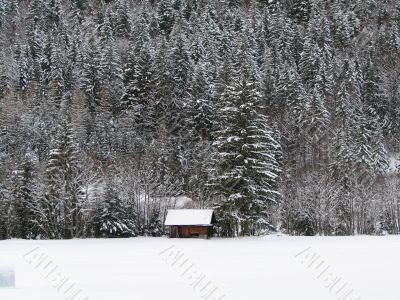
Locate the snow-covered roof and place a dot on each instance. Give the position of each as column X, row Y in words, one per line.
column 202, row 217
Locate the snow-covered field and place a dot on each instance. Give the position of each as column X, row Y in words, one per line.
column 274, row 267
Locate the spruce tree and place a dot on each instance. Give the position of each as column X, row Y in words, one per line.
column 181, row 65
column 25, row 200
column 138, row 90
column 154, row 227
column 91, row 74
column 122, row 21
column 374, row 93
column 301, row 10
column 60, row 203
column 247, row 171
column 112, row 218
column 111, row 69
column 165, row 16
column 200, row 106
column 317, row 118
column 309, row 64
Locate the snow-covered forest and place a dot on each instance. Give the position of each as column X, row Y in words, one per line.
column 281, row 115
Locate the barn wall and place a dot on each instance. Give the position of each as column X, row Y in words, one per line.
column 189, row 231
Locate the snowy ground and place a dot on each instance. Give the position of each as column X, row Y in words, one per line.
column 274, row 267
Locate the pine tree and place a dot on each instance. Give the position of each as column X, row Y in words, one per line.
column 91, row 74
column 60, row 203
column 300, row 10
column 122, row 22
column 200, row 106
column 317, row 118
column 342, row 31
column 342, row 146
column 291, row 94
column 22, row 68
column 56, row 80
column 52, row 13
column 36, row 11
column 4, row 79
column 370, row 155
column 90, row 83
column 111, row 71
column 25, row 200
column 129, row 80
column 285, row 39
column 3, row 235
column 7, row 219
column 247, row 170
column 181, row 65
column 319, row 31
column 165, row 16
column 268, row 91
column 77, row 10
column 363, row 157
column 309, row 62
column 364, row 9
column 154, row 227
column 112, row 218
column 2, row 13
column 374, row 93
column 138, row 95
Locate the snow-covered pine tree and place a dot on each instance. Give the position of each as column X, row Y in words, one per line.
column 370, row 156
column 374, row 92
column 22, row 68
column 52, row 13
column 300, row 10
column 180, row 63
column 363, row 159
column 113, row 218
column 154, row 227
column 121, row 19
column 138, row 95
column 111, row 69
column 316, row 125
column 165, row 16
column 59, row 206
column 25, row 200
column 56, row 80
column 246, row 171
column 2, row 13
column 76, row 12
column 200, row 108
column 319, row 30
column 6, row 210
column 2, row 221
column 309, row 62
column 342, row 31
column 347, row 98
column 91, row 74
column 364, row 8
column 291, row 95
column 129, row 80
column 90, row 78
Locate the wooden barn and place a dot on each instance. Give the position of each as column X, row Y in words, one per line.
column 190, row 223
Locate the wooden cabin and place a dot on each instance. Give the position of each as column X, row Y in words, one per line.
column 190, row 223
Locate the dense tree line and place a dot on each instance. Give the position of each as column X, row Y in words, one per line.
column 281, row 115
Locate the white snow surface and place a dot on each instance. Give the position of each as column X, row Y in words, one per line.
column 242, row 268
column 189, row 217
